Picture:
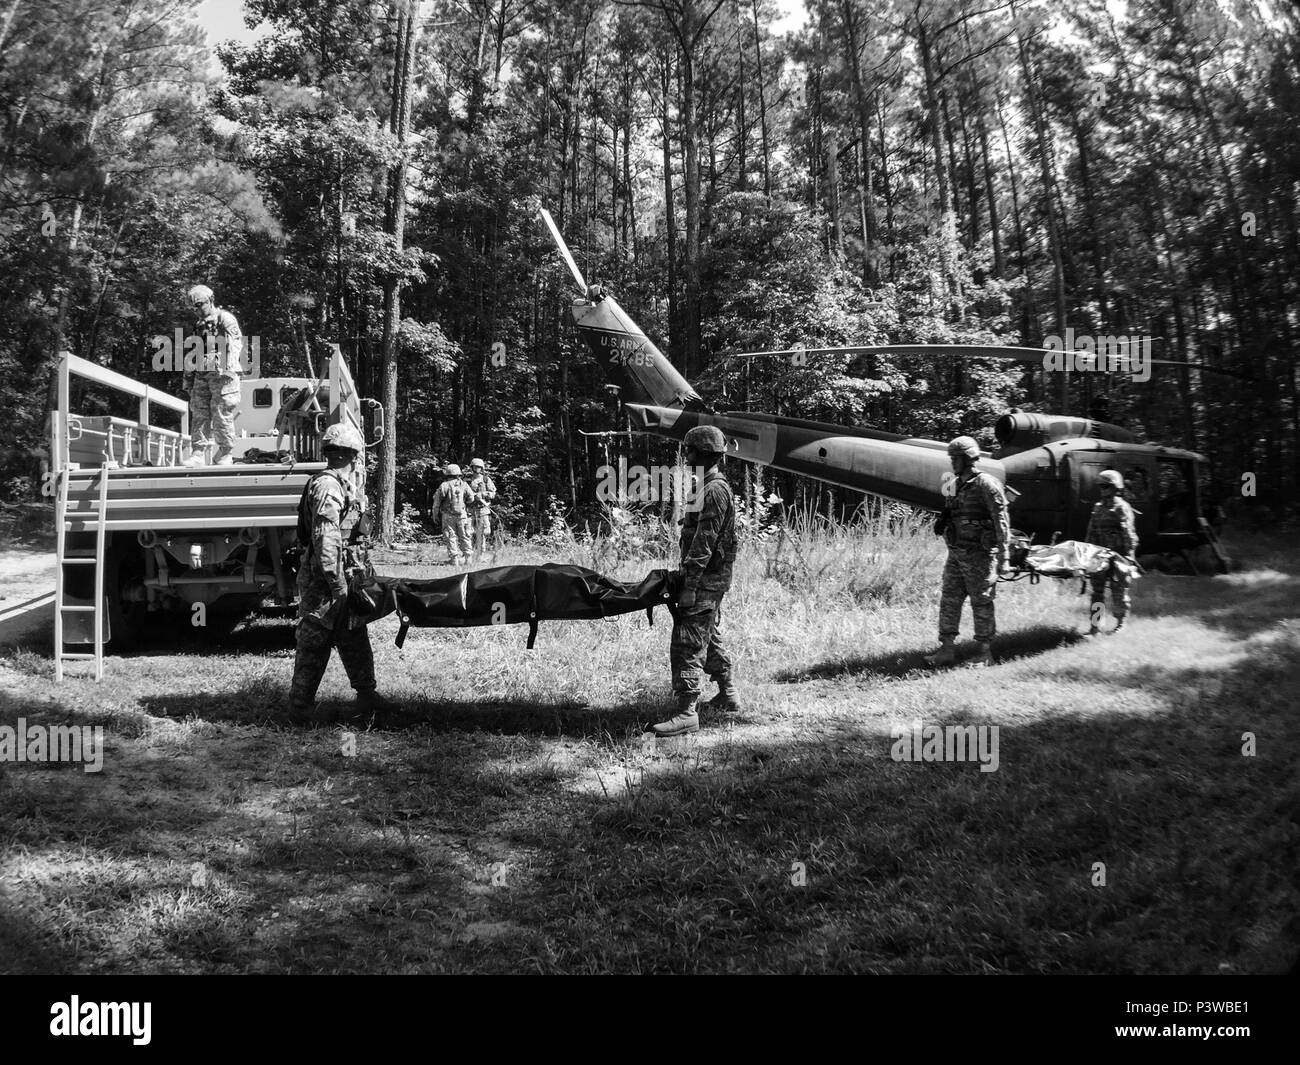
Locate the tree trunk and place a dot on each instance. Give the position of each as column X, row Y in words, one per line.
column 930, row 102
column 741, row 132
column 833, row 192
column 990, row 191
column 408, row 30
column 862, row 101
column 691, row 152
column 1053, row 236
column 670, row 216
column 762, row 103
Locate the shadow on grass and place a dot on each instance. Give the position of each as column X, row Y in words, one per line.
column 1241, row 604
column 1007, row 647
column 836, row 858
column 268, row 705
column 768, row 854
column 25, row 949
column 169, row 633
column 237, row 850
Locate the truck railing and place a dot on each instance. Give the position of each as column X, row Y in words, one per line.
column 103, row 436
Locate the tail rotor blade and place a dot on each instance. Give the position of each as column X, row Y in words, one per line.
column 564, row 250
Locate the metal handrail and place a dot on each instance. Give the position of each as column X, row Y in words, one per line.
column 69, row 365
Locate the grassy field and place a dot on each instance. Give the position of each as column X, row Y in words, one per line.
column 521, row 822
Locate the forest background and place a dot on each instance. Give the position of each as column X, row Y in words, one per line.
column 894, row 171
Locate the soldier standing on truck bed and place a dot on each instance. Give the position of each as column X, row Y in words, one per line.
column 977, row 530
column 213, row 384
column 452, row 501
column 485, row 491
column 327, row 527
column 708, row 550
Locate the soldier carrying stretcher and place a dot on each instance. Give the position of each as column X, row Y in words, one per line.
column 1112, row 526
column 328, row 519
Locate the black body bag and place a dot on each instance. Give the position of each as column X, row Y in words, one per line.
column 508, row 595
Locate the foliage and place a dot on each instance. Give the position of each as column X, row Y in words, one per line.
column 945, row 172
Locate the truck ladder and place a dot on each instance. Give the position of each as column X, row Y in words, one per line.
column 60, row 577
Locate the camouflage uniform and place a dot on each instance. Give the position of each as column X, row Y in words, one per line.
column 214, row 384
column 978, row 535
column 452, row 502
column 1112, row 525
column 484, row 492
column 708, row 549
column 333, row 504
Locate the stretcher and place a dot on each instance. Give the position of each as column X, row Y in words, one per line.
column 507, row 595
column 1069, row 559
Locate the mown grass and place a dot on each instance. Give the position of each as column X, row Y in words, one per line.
column 521, row 822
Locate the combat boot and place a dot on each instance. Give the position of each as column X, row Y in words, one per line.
column 224, row 457
column 945, row 656
column 1119, row 624
column 983, row 656
column 727, row 700
column 195, row 459
column 687, row 718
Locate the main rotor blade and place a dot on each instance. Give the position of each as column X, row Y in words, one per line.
column 564, row 250
column 967, row 351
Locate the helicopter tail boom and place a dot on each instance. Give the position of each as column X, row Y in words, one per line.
column 905, row 469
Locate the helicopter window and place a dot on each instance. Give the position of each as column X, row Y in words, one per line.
column 1177, row 498
column 261, row 397
column 1137, row 485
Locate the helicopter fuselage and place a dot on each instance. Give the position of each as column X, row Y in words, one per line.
column 1053, row 485
column 1050, row 463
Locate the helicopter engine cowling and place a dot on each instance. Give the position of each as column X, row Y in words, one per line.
column 1020, row 431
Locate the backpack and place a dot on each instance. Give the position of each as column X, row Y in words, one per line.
column 304, row 516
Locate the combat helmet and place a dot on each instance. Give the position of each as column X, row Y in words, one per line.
column 1113, row 478
column 344, row 437
column 706, row 438
column 964, row 445
column 451, row 470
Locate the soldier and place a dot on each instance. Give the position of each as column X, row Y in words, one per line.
column 213, row 385
column 452, row 502
column 708, row 549
column 1112, row 526
column 978, row 534
column 481, row 509
column 327, row 522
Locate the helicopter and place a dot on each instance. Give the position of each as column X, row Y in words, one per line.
column 1049, row 464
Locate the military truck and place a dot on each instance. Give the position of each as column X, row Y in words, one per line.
column 139, row 533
